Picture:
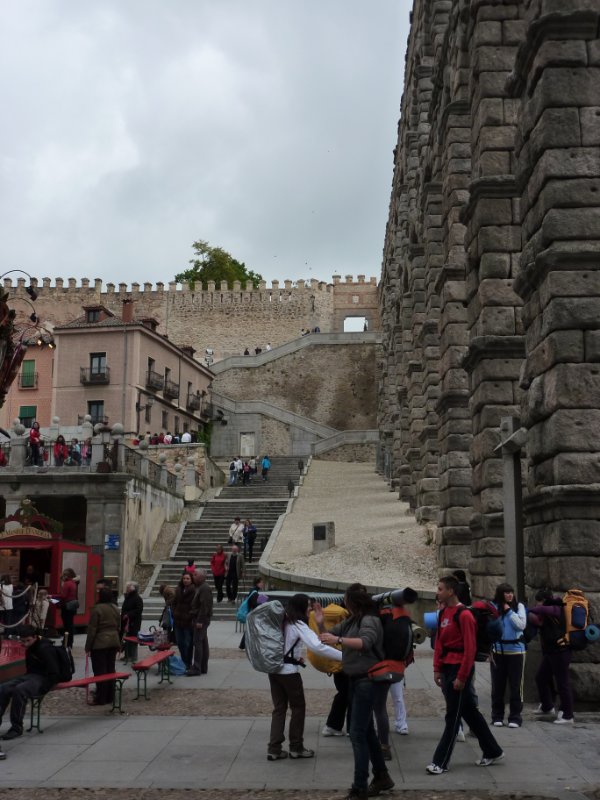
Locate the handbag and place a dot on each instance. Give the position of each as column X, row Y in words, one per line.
column 72, row 605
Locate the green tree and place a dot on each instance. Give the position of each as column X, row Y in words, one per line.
column 215, row 264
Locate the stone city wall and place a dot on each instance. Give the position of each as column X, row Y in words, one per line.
column 330, row 384
column 226, row 320
column 490, row 296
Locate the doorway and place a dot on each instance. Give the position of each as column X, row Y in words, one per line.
column 247, row 445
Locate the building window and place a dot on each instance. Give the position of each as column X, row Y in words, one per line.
column 151, row 364
column 27, row 415
column 28, row 374
column 165, row 420
column 97, row 363
column 167, row 374
column 92, row 315
column 148, row 414
column 176, row 425
column 96, row 410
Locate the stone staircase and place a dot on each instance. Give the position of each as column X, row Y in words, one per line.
column 261, row 501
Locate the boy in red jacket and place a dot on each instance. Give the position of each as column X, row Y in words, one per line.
column 453, row 667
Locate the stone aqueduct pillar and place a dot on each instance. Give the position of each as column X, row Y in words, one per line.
column 490, row 291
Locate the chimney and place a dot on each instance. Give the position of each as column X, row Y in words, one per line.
column 127, row 315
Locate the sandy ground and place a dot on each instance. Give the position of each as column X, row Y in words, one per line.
column 377, row 540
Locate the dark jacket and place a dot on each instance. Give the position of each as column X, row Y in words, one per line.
column 40, row 659
column 132, row 608
column 202, row 604
column 103, row 628
column 183, row 616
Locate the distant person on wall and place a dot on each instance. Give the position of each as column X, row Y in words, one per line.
column 246, row 352
column 265, row 467
column 161, row 438
column 168, row 438
column 217, row 567
column 257, row 350
column 86, row 452
column 35, row 444
column 186, row 437
column 60, row 451
column 176, row 439
column 74, row 453
column 234, row 572
column 268, row 347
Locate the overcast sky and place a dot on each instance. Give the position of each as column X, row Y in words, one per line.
column 131, row 128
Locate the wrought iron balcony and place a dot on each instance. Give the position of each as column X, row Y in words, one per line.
column 171, row 389
column 28, row 380
column 194, row 401
column 154, row 380
column 94, row 377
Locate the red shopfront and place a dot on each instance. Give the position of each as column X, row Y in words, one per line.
column 49, row 555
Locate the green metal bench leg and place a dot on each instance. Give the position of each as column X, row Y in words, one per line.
column 35, row 709
column 142, row 674
column 165, row 671
column 118, row 696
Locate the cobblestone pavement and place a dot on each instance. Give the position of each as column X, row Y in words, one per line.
column 233, row 794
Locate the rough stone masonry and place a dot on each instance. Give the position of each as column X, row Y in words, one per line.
column 490, row 291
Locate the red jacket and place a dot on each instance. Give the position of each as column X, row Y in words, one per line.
column 217, row 564
column 456, row 641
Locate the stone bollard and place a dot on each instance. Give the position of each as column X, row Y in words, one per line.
column 323, row 536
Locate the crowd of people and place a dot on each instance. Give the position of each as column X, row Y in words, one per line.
column 353, row 645
column 241, row 473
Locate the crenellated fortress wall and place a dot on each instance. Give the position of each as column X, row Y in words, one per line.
column 224, row 319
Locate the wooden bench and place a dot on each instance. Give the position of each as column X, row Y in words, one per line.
column 161, row 659
column 80, row 683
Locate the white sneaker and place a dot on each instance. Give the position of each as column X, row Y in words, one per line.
column 487, row 762
column 402, row 731
column 460, row 736
column 539, row 712
column 433, row 769
column 513, row 725
column 498, row 724
column 562, row 721
column 327, row 731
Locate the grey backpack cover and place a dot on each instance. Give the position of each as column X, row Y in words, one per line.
column 265, row 638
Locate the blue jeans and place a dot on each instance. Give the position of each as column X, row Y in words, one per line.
column 365, row 743
column 185, row 642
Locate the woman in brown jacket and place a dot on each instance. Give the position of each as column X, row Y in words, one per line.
column 103, row 643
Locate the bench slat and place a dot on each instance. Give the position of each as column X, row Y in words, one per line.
column 83, row 682
column 150, row 661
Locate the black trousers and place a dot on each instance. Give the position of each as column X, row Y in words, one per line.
column 231, row 585
column 103, row 663
column 507, row 669
column 460, row 704
column 340, row 711
column 219, row 580
column 68, row 619
column 17, row 692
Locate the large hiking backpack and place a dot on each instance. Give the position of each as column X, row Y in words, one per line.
column 333, row 614
column 398, row 645
column 576, row 617
column 489, row 626
column 265, row 638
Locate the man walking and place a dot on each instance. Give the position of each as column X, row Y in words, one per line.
column 234, row 572
column 41, row 674
column 202, row 609
column 236, row 532
column 453, row 668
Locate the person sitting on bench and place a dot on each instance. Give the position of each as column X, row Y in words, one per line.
column 42, row 673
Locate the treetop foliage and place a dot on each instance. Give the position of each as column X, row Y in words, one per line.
column 215, row 264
